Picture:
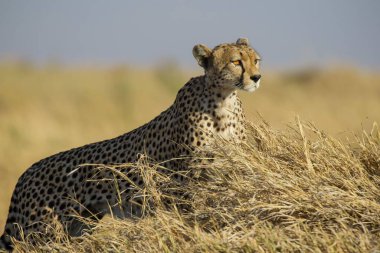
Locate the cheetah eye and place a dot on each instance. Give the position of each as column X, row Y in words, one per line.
column 236, row 63
column 257, row 61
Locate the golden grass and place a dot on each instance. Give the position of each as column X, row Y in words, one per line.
column 44, row 110
column 280, row 192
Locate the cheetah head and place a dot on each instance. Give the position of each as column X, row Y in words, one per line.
column 230, row 66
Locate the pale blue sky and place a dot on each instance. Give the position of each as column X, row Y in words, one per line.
column 288, row 34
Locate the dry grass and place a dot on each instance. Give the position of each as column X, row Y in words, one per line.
column 316, row 193
column 297, row 190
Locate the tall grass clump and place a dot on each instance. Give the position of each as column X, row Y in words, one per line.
column 294, row 190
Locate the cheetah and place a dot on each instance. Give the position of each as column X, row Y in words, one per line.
column 206, row 106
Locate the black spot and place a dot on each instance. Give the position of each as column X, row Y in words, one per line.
column 62, row 206
column 11, row 219
column 51, row 204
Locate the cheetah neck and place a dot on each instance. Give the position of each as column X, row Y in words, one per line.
column 209, row 110
column 224, row 107
column 223, row 101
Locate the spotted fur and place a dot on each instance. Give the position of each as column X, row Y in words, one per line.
column 56, row 187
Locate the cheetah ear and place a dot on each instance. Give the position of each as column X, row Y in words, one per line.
column 242, row 41
column 201, row 54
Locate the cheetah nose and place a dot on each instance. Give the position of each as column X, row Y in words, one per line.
column 255, row 78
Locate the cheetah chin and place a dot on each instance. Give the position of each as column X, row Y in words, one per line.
column 252, row 87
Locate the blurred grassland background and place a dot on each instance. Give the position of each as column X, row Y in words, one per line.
column 51, row 108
